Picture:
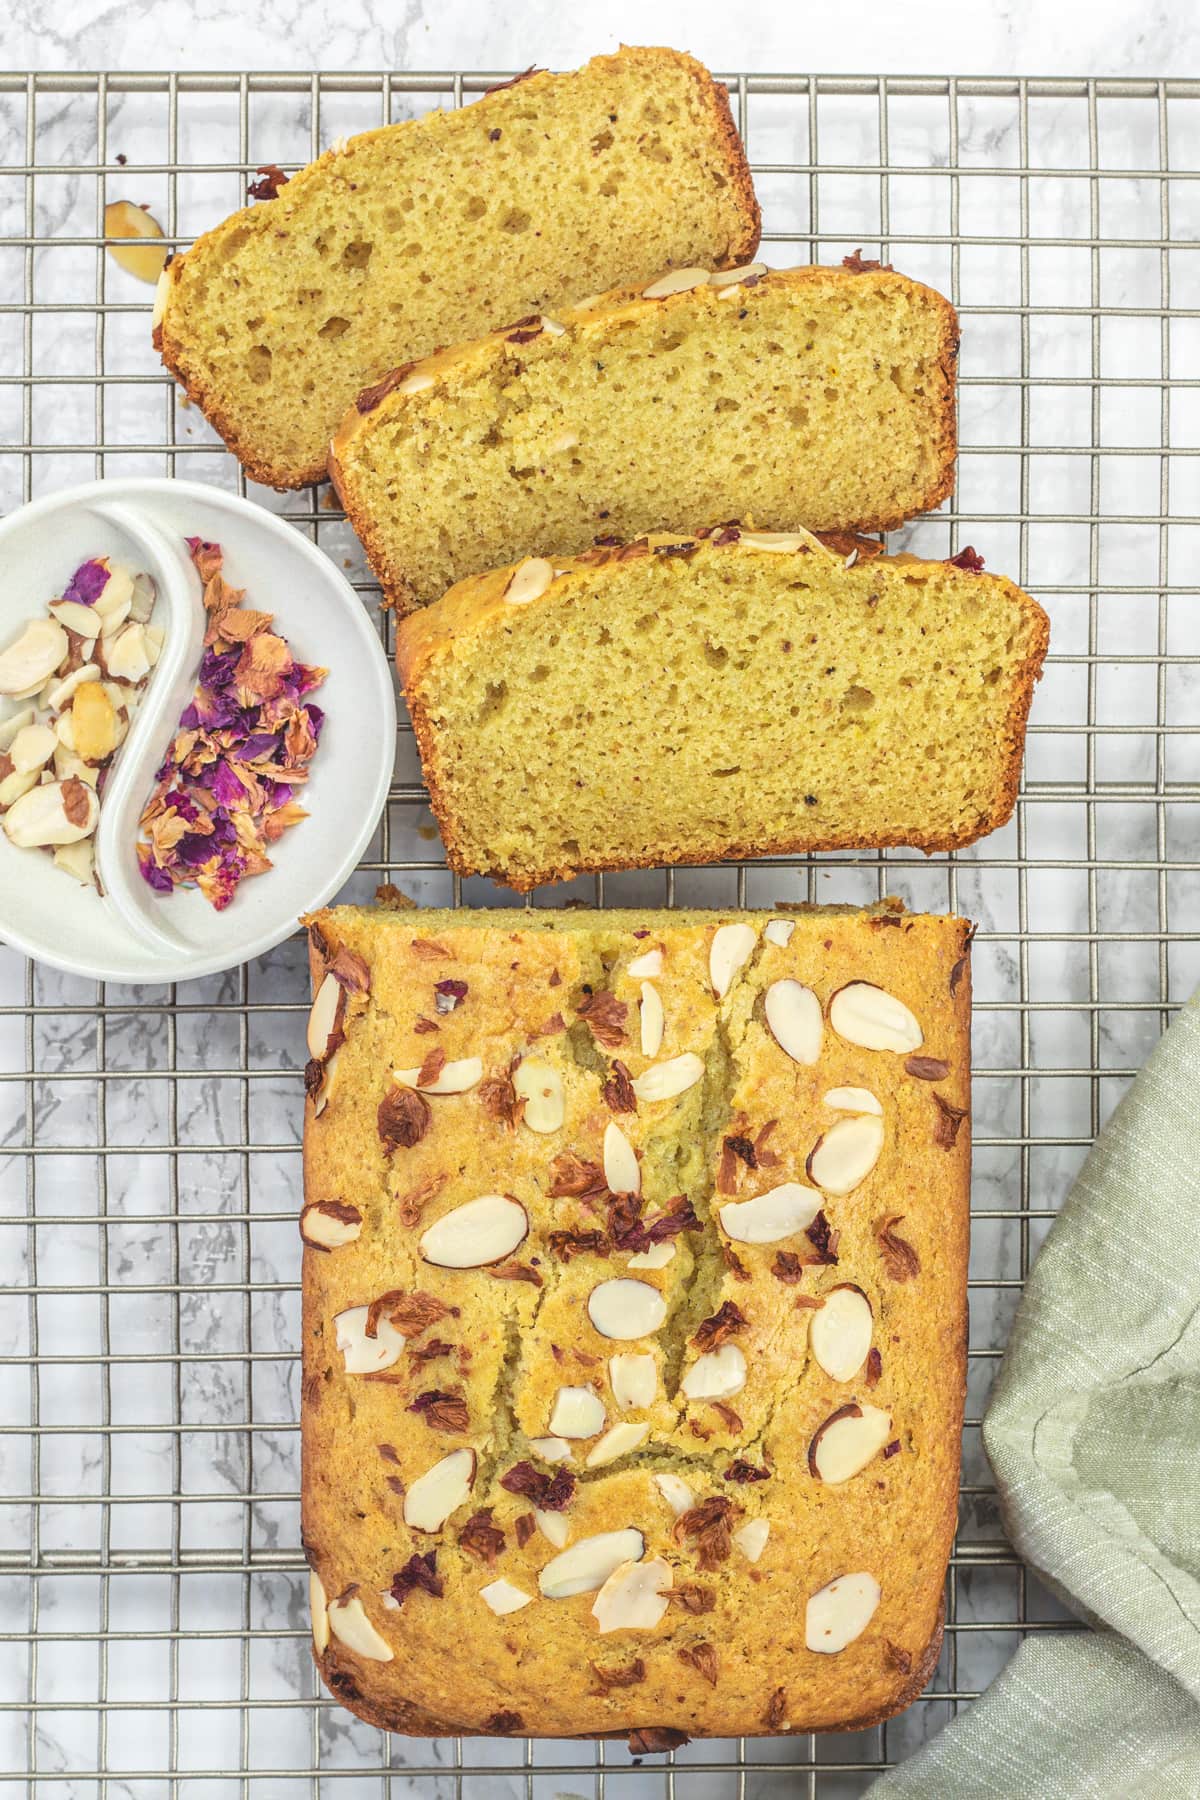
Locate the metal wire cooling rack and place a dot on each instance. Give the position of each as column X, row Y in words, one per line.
column 153, row 1619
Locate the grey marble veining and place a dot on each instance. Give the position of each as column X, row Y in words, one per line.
column 165, row 1254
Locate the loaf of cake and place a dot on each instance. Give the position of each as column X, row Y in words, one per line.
column 440, row 228
column 682, row 700
column 797, row 397
column 634, row 1315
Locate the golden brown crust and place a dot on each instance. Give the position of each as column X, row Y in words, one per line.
column 897, row 1514
column 191, row 374
column 609, row 313
column 410, row 1721
column 426, row 634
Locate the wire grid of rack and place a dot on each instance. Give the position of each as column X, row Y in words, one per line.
column 153, row 1622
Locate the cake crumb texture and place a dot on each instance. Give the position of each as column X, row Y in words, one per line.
column 813, row 397
column 745, row 1322
column 683, row 701
column 440, row 228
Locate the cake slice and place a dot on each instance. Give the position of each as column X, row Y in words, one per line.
column 737, row 695
column 437, row 229
column 808, row 397
column 634, row 1360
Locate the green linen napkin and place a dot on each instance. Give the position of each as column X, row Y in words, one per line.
column 1093, row 1431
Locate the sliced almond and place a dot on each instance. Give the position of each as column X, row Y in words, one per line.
column 15, row 785
column 751, row 1538
column 32, row 657
column 363, row 1355
column 730, row 950
column 32, row 748
column 555, row 1527
column 440, row 1491
column 552, row 326
column 676, row 281
column 141, row 601
column 634, row 1378
column 325, row 1018
column 656, row 1257
column 648, row 966
column 716, row 1376
column 116, row 596
column 94, row 730
column 853, row 1100
column 867, row 1015
column 794, row 1017
column 155, row 639
column 634, row 1598
column 626, row 1309
column 122, row 219
column 329, row 1081
column 840, row 1333
column 77, row 860
column 39, row 818
column 114, row 617
column 667, row 1080
column 651, row 1019
column 540, row 1085
column 676, row 1492
column 330, row 1224
column 588, row 1564
column 128, row 657
column 847, row 1441
column 64, row 730
column 162, row 288
column 14, row 724
column 770, row 1217
column 72, row 615
column 350, row 1625
column 779, row 541
column 318, row 1606
column 58, row 695
column 779, row 931
column 578, row 1412
column 617, row 1441
column 528, row 581
column 550, row 1449
column 622, row 1171
column 452, row 1077
column 840, row 1612
column 724, row 278
column 66, row 764
column 502, row 1597
column 843, row 1157
column 476, row 1234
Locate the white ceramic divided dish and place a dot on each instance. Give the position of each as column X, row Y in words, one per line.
column 133, row 934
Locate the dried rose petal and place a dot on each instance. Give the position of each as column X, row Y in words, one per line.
column 226, row 789
column 87, row 583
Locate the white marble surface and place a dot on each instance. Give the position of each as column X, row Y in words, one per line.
column 195, row 1265
column 990, row 37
